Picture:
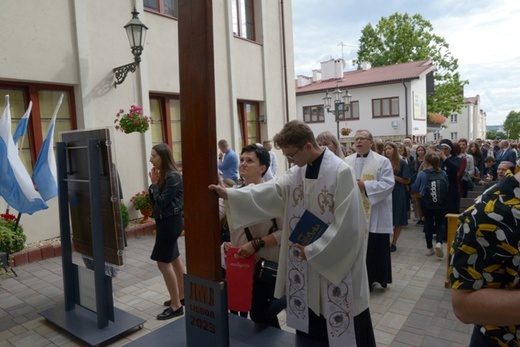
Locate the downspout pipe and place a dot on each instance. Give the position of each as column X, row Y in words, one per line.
column 282, row 12
column 406, row 109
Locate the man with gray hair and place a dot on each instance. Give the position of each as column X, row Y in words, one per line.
column 375, row 179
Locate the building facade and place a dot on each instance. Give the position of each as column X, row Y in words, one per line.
column 390, row 101
column 71, row 47
column 469, row 123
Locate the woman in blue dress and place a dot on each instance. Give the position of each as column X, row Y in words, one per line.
column 399, row 194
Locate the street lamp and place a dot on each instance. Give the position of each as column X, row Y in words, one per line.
column 136, row 32
column 339, row 105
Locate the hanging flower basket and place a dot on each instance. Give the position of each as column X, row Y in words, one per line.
column 345, row 131
column 133, row 121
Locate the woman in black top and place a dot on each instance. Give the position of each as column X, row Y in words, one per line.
column 166, row 196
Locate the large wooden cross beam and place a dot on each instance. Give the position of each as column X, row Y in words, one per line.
column 199, row 165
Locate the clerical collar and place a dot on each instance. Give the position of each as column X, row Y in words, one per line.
column 313, row 169
column 362, row 155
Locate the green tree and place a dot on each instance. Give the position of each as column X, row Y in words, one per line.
column 495, row 135
column 491, row 134
column 512, row 125
column 402, row 38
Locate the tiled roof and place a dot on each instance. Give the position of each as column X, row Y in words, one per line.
column 372, row 76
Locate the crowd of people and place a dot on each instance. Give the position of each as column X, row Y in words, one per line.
column 365, row 194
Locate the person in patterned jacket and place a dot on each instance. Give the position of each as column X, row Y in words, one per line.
column 485, row 266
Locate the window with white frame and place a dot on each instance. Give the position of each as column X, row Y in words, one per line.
column 454, row 136
column 453, row 118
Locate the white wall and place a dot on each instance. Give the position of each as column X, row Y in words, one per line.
column 380, row 127
column 79, row 42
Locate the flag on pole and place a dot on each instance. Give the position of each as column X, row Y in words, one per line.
column 16, row 185
column 21, row 128
column 44, row 174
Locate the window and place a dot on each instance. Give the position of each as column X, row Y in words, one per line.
column 454, row 136
column 388, row 107
column 453, row 118
column 243, row 19
column 165, row 111
column 314, row 114
column 436, row 135
column 166, row 7
column 44, row 98
column 249, row 124
column 352, row 113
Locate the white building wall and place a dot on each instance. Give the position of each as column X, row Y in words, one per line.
column 468, row 124
column 79, row 42
column 386, row 127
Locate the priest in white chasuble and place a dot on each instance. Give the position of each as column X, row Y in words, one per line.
column 325, row 282
column 375, row 178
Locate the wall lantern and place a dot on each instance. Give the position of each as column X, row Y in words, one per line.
column 136, row 32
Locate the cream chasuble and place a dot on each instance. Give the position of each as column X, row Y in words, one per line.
column 336, row 300
column 339, row 252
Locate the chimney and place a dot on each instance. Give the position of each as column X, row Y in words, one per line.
column 332, row 69
column 316, row 75
column 303, row 81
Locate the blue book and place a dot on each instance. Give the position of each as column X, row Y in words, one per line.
column 309, row 229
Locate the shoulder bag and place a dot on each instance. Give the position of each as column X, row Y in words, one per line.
column 265, row 270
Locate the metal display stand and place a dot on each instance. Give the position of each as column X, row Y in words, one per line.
column 105, row 322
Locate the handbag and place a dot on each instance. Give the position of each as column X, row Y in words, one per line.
column 265, row 270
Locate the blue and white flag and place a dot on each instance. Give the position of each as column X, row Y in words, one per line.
column 21, row 128
column 44, row 174
column 16, row 185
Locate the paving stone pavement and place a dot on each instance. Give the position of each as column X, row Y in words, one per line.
column 415, row 310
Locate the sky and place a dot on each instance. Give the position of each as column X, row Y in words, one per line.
column 483, row 35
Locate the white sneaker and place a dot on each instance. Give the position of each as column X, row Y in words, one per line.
column 438, row 250
column 430, row 251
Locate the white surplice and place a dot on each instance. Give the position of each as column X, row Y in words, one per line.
column 378, row 189
column 341, row 249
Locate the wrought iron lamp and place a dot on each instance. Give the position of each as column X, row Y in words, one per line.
column 339, row 105
column 136, row 32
